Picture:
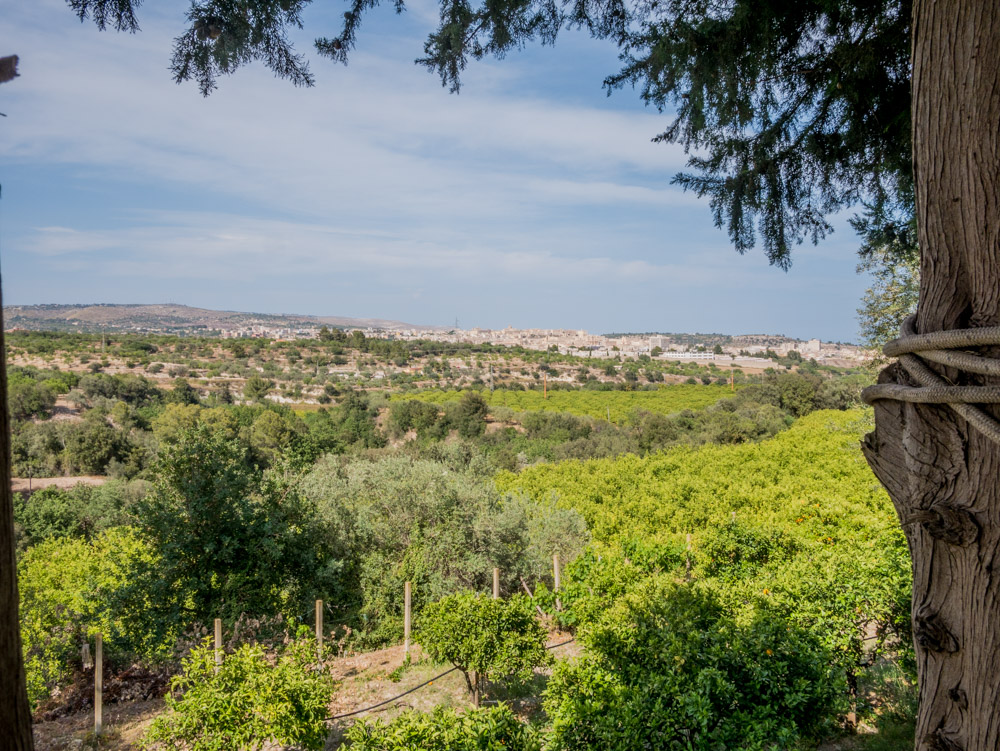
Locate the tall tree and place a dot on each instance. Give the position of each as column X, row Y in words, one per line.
column 793, row 109
column 15, row 714
column 938, row 468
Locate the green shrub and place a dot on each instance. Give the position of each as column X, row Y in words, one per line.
column 667, row 667
column 248, row 703
column 485, row 639
column 67, row 590
column 736, row 550
column 496, row 729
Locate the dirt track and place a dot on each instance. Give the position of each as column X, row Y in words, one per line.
column 29, row 485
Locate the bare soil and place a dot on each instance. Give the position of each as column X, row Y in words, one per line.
column 363, row 680
column 25, row 484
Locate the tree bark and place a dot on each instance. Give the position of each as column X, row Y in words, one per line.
column 927, row 457
column 15, row 714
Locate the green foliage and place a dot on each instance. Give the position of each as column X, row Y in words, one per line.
column 27, row 399
column 67, row 588
column 469, row 414
column 485, row 638
column 737, row 550
column 444, row 529
column 93, row 444
column 667, row 662
column 812, row 471
column 894, row 265
column 182, row 393
column 248, row 704
column 257, row 388
column 229, row 541
column 129, row 388
column 81, row 511
column 495, row 729
column 598, row 404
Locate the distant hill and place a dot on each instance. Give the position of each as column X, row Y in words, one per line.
column 174, row 319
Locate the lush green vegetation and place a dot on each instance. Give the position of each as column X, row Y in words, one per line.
column 616, row 406
column 485, row 638
column 789, row 608
column 497, row 729
column 247, row 702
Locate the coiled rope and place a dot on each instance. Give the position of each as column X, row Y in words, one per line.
column 912, row 349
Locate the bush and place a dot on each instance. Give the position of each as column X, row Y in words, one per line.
column 735, row 550
column 486, row 639
column 248, row 703
column 67, row 590
column 668, row 666
column 446, row 730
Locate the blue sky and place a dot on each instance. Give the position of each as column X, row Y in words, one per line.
column 531, row 199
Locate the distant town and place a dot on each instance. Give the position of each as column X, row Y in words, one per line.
column 746, row 350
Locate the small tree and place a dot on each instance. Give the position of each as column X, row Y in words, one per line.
column 256, row 388
column 485, row 639
column 251, row 701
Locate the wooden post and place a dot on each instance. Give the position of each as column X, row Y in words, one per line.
column 319, row 629
column 687, row 564
column 496, row 584
column 555, row 578
column 98, row 684
column 406, row 619
column 218, row 644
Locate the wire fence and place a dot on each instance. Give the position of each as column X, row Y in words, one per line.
column 417, row 688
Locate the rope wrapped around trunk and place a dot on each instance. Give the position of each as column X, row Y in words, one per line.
column 913, row 349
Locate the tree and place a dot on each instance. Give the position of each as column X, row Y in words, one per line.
column 228, row 541
column 15, row 712
column 257, row 388
column 792, row 110
column 484, row 638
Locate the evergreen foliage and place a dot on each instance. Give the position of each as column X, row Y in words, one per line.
column 790, row 110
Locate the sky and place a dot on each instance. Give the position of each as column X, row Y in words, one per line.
column 531, row 199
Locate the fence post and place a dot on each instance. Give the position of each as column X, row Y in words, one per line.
column 98, row 684
column 218, row 644
column 555, row 578
column 406, row 619
column 319, row 628
column 496, row 584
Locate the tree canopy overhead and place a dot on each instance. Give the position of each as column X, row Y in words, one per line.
column 790, row 110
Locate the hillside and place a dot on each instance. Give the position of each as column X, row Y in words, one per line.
column 170, row 318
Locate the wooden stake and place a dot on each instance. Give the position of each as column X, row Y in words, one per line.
column 555, row 578
column 319, row 629
column 218, row 644
column 98, row 684
column 406, row 619
column 496, row 584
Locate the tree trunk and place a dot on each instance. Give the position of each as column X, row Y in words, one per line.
column 15, row 716
column 928, row 458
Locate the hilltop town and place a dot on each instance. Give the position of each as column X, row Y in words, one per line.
column 746, row 350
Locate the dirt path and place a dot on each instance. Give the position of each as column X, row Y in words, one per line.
column 22, row 484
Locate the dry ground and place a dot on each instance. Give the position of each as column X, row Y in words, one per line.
column 362, row 681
